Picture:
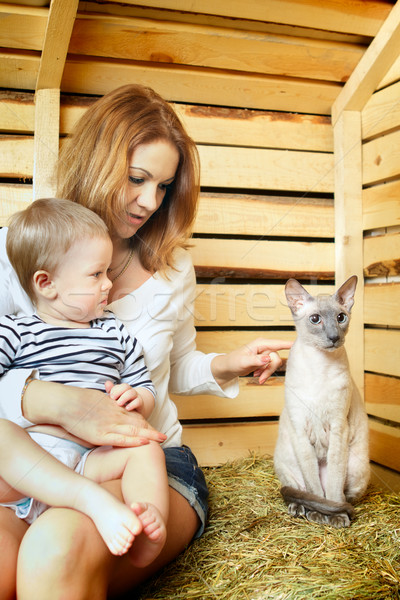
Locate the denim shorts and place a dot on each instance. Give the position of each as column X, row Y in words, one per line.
column 186, row 477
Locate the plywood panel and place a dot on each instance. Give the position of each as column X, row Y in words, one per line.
column 382, row 396
column 382, row 351
column 260, row 258
column 381, row 205
column 253, row 400
column 381, row 255
column 215, row 444
column 265, row 215
column 245, row 305
column 381, row 158
column 385, row 445
column 382, row 304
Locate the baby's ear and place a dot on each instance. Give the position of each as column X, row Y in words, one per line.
column 296, row 295
column 345, row 294
column 44, row 285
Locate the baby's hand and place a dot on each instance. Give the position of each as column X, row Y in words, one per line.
column 125, row 395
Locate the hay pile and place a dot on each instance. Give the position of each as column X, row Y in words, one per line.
column 252, row 549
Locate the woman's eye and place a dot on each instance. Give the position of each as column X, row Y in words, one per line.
column 136, row 180
column 341, row 318
column 315, row 319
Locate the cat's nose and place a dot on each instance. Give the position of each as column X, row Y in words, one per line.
column 333, row 338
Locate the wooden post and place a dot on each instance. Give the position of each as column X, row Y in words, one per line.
column 349, row 230
column 46, row 142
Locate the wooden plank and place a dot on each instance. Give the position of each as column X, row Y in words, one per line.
column 253, row 400
column 382, row 112
column 392, row 75
column 263, row 169
column 382, row 396
column 22, row 26
column 245, row 305
column 215, row 47
column 381, row 255
column 263, row 259
column 361, row 16
column 204, row 86
column 384, row 444
column 46, row 142
column 381, row 158
column 16, row 156
column 348, row 228
column 17, row 112
column 375, row 63
column 381, row 205
column 55, row 46
column 233, row 214
column 215, row 444
column 19, row 70
column 382, row 351
column 381, row 304
column 13, row 197
column 226, row 341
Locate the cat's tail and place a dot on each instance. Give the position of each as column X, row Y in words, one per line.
column 311, row 502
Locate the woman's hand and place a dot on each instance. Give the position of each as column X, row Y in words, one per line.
column 259, row 356
column 87, row 414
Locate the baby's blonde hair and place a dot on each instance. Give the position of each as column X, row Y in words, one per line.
column 39, row 236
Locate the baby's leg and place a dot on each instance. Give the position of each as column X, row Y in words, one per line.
column 144, row 487
column 32, row 471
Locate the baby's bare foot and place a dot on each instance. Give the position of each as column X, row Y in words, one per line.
column 152, row 539
column 117, row 524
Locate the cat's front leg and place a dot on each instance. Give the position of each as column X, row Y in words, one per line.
column 336, row 462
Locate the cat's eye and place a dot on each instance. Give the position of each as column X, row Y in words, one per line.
column 315, row 319
column 341, row 318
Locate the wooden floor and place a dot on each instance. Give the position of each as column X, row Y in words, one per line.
column 386, row 479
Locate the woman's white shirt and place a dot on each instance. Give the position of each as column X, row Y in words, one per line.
column 160, row 314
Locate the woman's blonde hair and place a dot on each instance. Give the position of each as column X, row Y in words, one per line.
column 39, row 236
column 94, row 168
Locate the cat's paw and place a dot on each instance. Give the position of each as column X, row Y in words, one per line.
column 316, row 517
column 296, row 510
column 340, row 520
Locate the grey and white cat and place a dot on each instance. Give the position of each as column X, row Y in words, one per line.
column 322, row 453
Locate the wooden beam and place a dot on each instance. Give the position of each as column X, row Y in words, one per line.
column 348, row 228
column 376, row 62
column 55, row 47
column 46, row 142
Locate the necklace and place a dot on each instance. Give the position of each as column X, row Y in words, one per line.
column 124, row 268
column 119, row 264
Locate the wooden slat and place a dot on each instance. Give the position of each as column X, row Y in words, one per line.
column 263, row 259
column 252, row 168
column 381, row 158
column 215, row 47
column 22, row 26
column 382, row 351
column 375, row 63
column 13, row 197
column 382, row 396
column 381, row 205
column 381, row 255
column 232, row 214
column 204, row 86
column 19, row 70
column 385, row 444
column 16, row 156
column 226, row 341
column 253, row 400
column 215, row 444
column 55, row 46
column 361, row 16
column 382, row 112
column 348, row 228
column 46, row 142
column 382, row 304
column 392, row 75
column 245, row 305
column 17, row 112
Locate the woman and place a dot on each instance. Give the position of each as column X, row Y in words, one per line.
column 130, row 160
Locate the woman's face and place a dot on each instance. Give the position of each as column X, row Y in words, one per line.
column 152, row 168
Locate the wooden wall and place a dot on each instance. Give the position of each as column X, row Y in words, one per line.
column 284, row 193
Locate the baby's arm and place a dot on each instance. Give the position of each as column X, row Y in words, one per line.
column 140, row 399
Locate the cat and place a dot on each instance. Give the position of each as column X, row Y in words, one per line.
column 322, row 453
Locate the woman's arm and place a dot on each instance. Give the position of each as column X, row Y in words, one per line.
column 87, row 414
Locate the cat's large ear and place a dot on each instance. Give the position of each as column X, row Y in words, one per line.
column 345, row 294
column 296, row 295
